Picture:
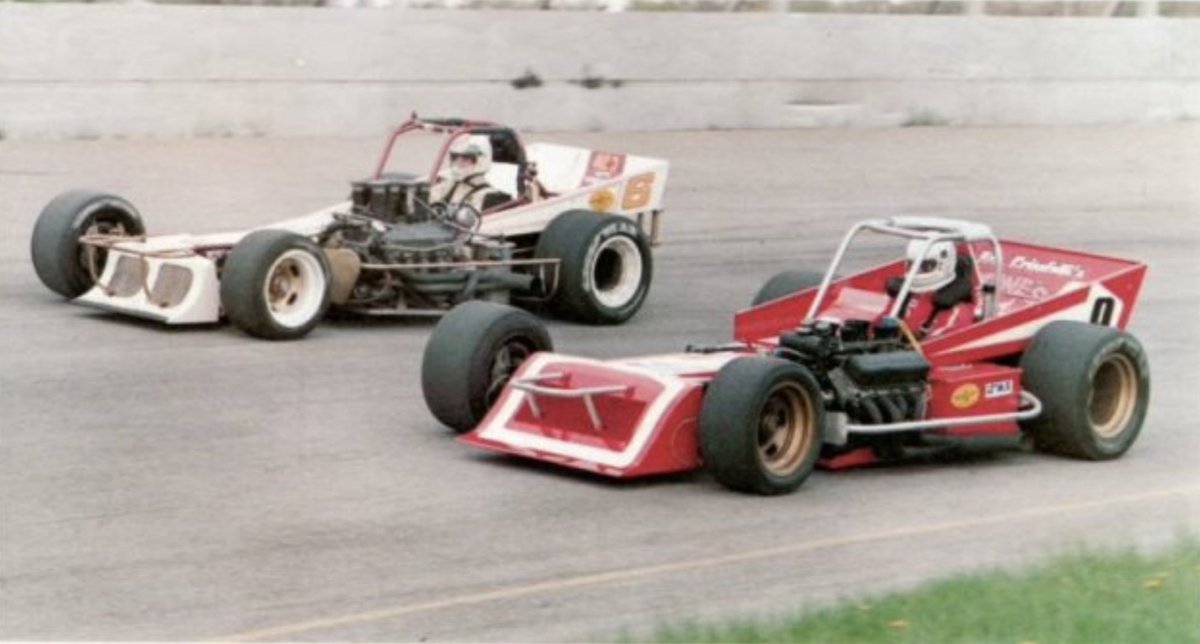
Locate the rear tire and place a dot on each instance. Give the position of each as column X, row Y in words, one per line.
column 59, row 259
column 1094, row 384
column 786, row 283
column 605, row 266
column 761, row 425
column 275, row 285
column 473, row 352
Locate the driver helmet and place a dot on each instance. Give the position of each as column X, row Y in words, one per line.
column 936, row 267
column 476, row 148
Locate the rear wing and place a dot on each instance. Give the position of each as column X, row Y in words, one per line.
column 1033, row 274
column 613, row 181
column 572, row 178
column 1037, row 285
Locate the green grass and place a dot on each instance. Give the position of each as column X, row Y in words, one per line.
column 1086, row 597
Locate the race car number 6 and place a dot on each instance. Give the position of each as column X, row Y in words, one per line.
column 638, row 191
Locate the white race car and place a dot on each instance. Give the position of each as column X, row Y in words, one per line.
column 574, row 231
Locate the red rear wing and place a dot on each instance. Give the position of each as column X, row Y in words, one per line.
column 1039, row 285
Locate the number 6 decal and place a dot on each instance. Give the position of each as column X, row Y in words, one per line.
column 638, row 191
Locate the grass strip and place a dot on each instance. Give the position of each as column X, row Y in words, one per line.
column 1085, row 597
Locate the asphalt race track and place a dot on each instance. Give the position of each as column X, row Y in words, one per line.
column 161, row 483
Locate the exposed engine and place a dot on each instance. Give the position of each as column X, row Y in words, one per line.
column 882, row 388
column 874, row 375
column 411, row 254
column 392, row 198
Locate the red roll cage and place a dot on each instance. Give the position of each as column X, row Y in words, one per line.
column 454, row 128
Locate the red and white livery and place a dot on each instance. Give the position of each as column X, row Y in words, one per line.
column 1025, row 340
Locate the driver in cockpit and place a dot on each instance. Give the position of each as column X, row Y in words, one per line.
column 942, row 296
column 466, row 182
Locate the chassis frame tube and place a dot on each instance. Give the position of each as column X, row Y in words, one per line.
column 1032, row 408
column 532, row 388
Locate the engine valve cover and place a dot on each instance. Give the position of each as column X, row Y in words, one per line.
column 392, row 198
column 887, row 369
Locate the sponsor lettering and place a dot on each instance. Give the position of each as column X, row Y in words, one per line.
column 1032, row 265
column 1024, row 287
column 998, row 389
column 1052, row 267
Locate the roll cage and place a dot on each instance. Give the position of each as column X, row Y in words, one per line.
column 930, row 230
column 506, row 144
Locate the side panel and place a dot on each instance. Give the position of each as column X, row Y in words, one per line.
column 974, row 390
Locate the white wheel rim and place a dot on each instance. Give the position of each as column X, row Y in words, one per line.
column 294, row 288
column 616, row 271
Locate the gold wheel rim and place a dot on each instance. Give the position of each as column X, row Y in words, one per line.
column 1113, row 396
column 785, row 429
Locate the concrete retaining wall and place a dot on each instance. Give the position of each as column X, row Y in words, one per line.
column 149, row 70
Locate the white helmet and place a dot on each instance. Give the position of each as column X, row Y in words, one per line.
column 936, row 267
column 478, row 147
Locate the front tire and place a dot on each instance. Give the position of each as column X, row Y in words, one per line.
column 605, row 266
column 761, row 425
column 59, row 260
column 1094, row 384
column 473, row 352
column 275, row 285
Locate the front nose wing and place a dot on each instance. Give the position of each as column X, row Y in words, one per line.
column 181, row 289
column 611, row 418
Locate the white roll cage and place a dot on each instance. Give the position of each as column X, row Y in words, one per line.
column 931, row 230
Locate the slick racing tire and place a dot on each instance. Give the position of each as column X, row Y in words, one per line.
column 1094, row 384
column 60, row 261
column 473, row 352
column 275, row 285
column 761, row 425
column 605, row 266
column 786, row 283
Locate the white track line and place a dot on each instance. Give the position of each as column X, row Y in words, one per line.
column 628, row 574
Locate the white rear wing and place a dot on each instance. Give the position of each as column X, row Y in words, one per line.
column 614, row 181
column 578, row 178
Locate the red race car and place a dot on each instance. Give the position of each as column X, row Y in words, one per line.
column 967, row 341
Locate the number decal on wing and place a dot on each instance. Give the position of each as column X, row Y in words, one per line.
column 1103, row 307
column 1102, row 311
column 638, row 191
column 603, row 166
